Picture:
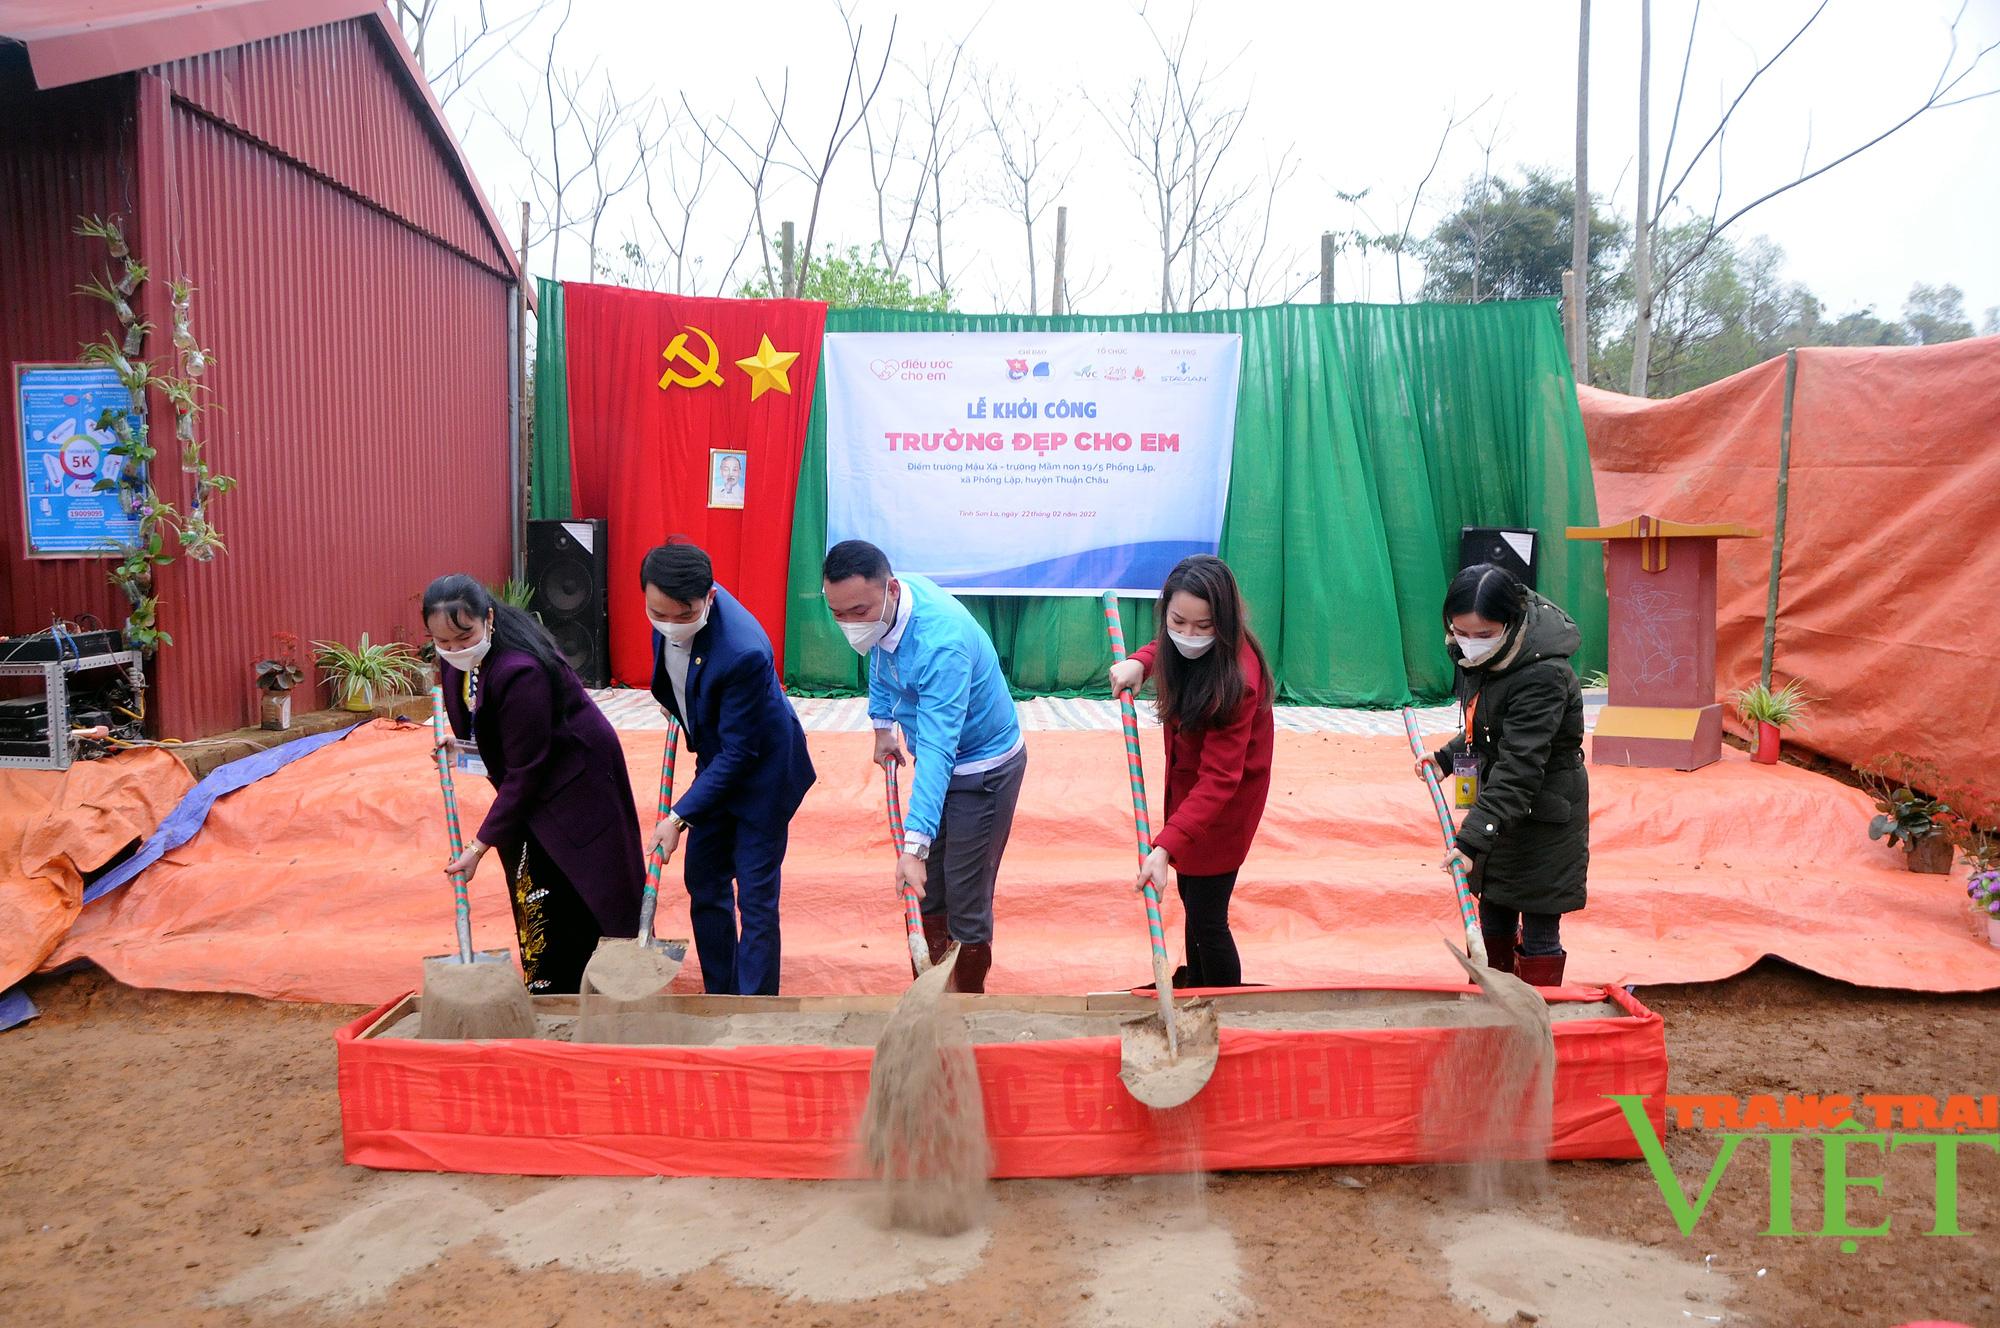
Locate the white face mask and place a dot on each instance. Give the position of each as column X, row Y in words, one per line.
column 466, row 660
column 1193, row 647
column 1476, row 649
column 681, row 633
column 864, row 636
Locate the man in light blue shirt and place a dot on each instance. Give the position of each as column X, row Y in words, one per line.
column 933, row 673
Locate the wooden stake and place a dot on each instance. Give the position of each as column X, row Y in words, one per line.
column 1778, row 531
column 788, row 280
column 1326, row 267
column 1056, row 300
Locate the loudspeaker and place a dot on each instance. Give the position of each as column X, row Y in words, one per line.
column 567, row 566
column 1511, row 549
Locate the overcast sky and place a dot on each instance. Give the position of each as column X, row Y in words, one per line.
column 1360, row 92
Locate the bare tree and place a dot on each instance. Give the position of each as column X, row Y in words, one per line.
column 1241, row 251
column 686, row 159
column 570, row 136
column 448, row 66
column 857, row 95
column 754, row 170
column 932, row 138
column 1398, row 243
column 1178, row 132
column 948, row 134
column 1944, row 93
column 1024, row 136
column 1579, row 253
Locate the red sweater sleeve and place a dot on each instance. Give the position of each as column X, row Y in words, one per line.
column 1146, row 654
column 1224, row 752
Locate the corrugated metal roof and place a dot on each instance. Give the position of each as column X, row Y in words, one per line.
column 332, row 99
column 70, row 41
column 363, row 372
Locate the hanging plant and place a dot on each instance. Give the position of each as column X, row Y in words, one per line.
column 163, row 530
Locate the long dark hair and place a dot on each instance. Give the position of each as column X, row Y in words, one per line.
column 465, row 601
column 1198, row 694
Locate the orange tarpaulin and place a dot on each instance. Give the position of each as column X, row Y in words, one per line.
column 56, row 826
column 324, row 881
column 1890, row 555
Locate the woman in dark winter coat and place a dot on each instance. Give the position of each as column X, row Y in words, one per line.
column 563, row 820
column 1214, row 692
column 1525, row 838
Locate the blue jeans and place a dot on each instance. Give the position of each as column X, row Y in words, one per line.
column 732, row 873
column 1541, row 933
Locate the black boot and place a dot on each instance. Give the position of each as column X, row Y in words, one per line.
column 1540, row 970
column 936, row 936
column 1499, row 950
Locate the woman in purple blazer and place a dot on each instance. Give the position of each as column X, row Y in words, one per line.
column 563, row 819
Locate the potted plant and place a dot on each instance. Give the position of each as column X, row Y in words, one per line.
column 276, row 677
column 1766, row 712
column 1906, row 816
column 1984, row 890
column 358, row 673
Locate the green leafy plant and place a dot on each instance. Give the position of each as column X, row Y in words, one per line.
column 1906, row 816
column 163, row 529
column 1597, row 681
column 1781, row 707
column 358, row 670
column 516, row 592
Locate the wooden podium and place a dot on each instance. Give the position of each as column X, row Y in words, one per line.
column 1662, row 713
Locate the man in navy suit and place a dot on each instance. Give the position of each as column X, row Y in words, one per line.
column 713, row 671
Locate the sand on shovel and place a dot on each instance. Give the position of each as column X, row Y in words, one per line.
column 923, row 1131
column 618, row 999
column 477, row 1000
column 1489, row 1097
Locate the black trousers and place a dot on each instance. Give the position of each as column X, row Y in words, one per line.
column 1541, row 933
column 557, row 931
column 1212, row 960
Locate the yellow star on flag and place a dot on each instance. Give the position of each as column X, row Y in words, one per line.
column 767, row 369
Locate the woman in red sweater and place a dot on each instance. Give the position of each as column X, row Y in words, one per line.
column 1213, row 691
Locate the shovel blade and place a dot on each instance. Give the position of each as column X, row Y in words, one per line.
column 1151, row 1072
column 625, row 969
column 478, row 957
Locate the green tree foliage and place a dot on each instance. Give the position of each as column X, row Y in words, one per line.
column 1935, row 314
column 1861, row 328
column 1511, row 241
column 1730, row 310
column 854, row 281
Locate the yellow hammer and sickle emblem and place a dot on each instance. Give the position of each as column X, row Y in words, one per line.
column 677, row 352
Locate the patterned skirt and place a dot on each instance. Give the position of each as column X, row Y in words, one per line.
column 557, row 931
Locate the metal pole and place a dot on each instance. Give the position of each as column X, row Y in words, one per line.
column 1778, row 529
column 1326, row 267
column 523, row 454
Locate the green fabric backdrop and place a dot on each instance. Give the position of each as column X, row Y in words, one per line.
column 1366, row 436
column 548, row 493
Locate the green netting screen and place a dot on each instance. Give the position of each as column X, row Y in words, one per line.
column 548, row 493
column 1366, row 436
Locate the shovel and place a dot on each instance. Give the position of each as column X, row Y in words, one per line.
column 1475, row 940
column 1164, row 1059
column 625, row 969
column 469, row 994
column 913, row 917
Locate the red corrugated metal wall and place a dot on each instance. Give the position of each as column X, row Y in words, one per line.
column 362, row 371
column 63, row 154
column 329, row 98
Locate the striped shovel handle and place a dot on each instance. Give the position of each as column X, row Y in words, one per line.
column 649, row 902
column 1475, row 941
column 461, row 901
column 1135, row 769
column 913, row 915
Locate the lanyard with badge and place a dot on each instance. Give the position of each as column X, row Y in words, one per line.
column 465, row 751
column 1465, row 766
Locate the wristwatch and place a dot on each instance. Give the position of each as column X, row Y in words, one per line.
column 921, row 852
column 674, row 819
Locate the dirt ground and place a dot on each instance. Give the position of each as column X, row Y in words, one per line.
column 175, row 1159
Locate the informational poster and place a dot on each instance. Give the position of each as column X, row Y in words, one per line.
column 67, row 467
column 1004, row 463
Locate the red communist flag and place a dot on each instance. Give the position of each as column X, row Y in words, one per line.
column 687, row 417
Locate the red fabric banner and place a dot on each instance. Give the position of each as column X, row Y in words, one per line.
column 657, row 385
